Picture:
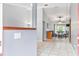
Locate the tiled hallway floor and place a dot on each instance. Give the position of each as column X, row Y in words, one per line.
column 58, row 47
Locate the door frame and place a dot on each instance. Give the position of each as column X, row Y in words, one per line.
column 43, row 34
column 70, row 30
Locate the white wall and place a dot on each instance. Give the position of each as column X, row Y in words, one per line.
column 18, row 42
column 34, row 15
column 39, row 23
column 15, row 14
column 50, row 24
column 1, row 28
column 74, row 26
column 47, row 20
column 41, row 16
column 24, row 46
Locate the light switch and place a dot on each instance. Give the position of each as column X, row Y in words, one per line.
column 17, row 35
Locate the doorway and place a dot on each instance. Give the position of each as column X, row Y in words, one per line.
column 63, row 30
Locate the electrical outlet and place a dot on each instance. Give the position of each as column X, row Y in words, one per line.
column 17, row 35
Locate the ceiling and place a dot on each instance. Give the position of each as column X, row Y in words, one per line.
column 52, row 5
column 53, row 10
column 28, row 6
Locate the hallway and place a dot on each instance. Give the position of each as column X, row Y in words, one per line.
column 43, row 29
column 58, row 47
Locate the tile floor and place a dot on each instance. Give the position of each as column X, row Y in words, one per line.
column 58, row 47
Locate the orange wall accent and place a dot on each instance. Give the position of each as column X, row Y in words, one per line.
column 17, row 28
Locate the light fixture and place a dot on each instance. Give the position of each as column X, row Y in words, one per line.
column 60, row 16
column 59, row 22
column 45, row 4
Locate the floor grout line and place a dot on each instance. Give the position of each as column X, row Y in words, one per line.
column 52, row 48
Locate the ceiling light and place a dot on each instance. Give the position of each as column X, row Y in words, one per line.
column 59, row 22
column 60, row 16
column 46, row 5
